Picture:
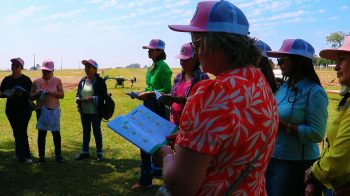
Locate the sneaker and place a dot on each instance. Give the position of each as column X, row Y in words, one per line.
column 59, row 159
column 140, row 187
column 26, row 160
column 100, row 158
column 42, row 161
column 82, row 156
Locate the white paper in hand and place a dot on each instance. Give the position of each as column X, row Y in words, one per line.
column 132, row 94
column 8, row 93
column 157, row 94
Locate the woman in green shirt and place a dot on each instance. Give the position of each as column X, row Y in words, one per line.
column 159, row 78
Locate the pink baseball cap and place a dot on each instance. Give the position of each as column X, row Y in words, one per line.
column 47, row 65
column 186, row 52
column 294, row 46
column 90, row 61
column 332, row 54
column 19, row 60
column 216, row 16
column 155, row 44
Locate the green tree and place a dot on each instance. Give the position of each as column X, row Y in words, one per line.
column 336, row 39
column 314, row 59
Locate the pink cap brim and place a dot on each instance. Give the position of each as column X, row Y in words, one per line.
column 85, row 61
column 45, row 68
column 15, row 60
column 275, row 54
column 186, row 28
column 149, row 47
column 181, row 56
column 331, row 54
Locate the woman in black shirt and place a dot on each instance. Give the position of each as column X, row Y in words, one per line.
column 18, row 108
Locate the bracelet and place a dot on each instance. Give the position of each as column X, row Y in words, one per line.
column 168, row 155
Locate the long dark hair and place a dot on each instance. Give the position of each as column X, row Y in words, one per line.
column 304, row 64
column 265, row 66
column 161, row 56
column 197, row 65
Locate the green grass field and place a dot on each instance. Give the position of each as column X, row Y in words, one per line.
column 114, row 176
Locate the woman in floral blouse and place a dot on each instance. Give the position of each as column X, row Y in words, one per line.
column 226, row 121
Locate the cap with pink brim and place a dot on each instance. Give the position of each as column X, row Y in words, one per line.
column 19, row 60
column 186, row 52
column 216, row 16
column 48, row 65
column 294, row 46
column 155, row 44
column 332, row 54
column 90, row 61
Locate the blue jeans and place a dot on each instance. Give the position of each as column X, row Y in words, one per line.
column 326, row 191
column 286, row 178
column 147, row 167
column 86, row 121
column 42, row 139
column 19, row 120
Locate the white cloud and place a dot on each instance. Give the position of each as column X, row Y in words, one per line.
column 142, row 11
column 25, row 13
column 114, row 36
column 321, row 11
column 64, row 15
column 252, row 3
column 179, row 3
column 333, row 18
column 294, row 20
column 110, row 3
column 94, row 1
column 286, row 15
column 343, row 7
column 273, row 7
column 131, row 4
column 55, row 26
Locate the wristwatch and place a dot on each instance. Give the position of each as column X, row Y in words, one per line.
column 288, row 129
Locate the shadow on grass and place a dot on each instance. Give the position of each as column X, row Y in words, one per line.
column 113, row 176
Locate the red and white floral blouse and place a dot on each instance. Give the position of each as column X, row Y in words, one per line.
column 230, row 117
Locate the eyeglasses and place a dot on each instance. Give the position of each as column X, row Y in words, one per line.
column 46, row 71
column 282, row 59
column 16, row 65
column 194, row 46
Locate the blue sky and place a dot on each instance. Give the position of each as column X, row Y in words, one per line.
column 112, row 32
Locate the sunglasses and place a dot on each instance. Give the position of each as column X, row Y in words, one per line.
column 46, row 71
column 282, row 59
column 194, row 46
column 16, row 65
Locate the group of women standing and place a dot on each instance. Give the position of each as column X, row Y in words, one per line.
column 238, row 134
column 235, row 136
column 47, row 91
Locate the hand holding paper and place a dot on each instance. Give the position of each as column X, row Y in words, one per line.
column 132, row 94
column 15, row 90
column 164, row 99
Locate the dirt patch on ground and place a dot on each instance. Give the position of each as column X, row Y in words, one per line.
column 70, row 82
column 329, row 80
